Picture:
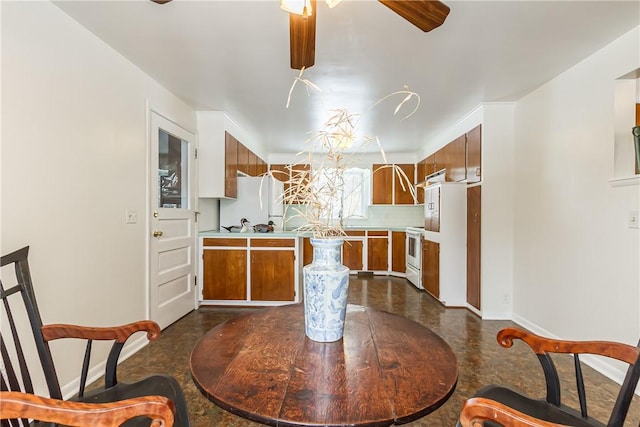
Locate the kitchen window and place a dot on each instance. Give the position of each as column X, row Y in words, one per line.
column 352, row 197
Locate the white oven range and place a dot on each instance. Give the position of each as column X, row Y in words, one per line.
column 414, row 236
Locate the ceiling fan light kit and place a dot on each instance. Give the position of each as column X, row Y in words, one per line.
column 332, row 3
column 298, row 7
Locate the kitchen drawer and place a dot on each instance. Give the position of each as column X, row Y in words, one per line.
column 223, row 241
column 273, row 243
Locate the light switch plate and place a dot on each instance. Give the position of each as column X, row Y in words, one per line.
column 634, row 220
column 131, row 216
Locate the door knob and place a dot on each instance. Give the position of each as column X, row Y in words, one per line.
column 157, row 233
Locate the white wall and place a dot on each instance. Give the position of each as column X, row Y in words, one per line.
column 74, row 158
column 497, row 201
column 497, row 214
column 576, row 263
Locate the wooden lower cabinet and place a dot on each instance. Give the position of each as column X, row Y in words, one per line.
column 377, row 251
column 376, row 258
column 272, row 275
column 225, row 274
column 249, row 270
column 398, row 252
column 431, row 267
column 352, row 254
column 307, row 251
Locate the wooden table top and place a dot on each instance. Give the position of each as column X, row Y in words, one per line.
column 386, row 370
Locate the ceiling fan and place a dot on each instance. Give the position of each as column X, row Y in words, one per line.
column 424, row 14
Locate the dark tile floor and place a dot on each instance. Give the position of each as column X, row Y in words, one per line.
column 481, row 360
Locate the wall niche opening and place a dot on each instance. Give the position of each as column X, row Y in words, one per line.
column 627, row 115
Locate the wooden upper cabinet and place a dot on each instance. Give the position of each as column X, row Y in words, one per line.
column 455, row 154
column 403, row 197
column 474, row 157
column 425, row 167
column 230, row 165
column 439, row 160
column 280, row 172
column 387, row 188
column 284, row 173
column 421, row 170
column 252, row 163
column 421, row 173
column 299, row 173
column 430, row 166
column 262, row 167
column 257, row 166
column 243, row 159
column 382, row 183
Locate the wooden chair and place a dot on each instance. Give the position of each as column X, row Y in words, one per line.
column 19, row 303
column 500, row 399
column 16, row 406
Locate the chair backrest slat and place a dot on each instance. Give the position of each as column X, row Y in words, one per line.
column 627, row 390
column 17, row 345
column 551, row 378
column 12, row 306
column 582, row 395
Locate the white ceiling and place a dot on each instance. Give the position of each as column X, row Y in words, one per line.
column 234, row 56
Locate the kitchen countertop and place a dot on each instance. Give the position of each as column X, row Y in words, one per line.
column 225, row 233
column 289, row 233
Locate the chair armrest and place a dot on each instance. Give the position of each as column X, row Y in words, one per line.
column 478, row 409
column 118, row 333
column 15, row 405
column 541, row 345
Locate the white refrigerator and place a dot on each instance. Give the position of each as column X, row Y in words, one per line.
column 251, row 190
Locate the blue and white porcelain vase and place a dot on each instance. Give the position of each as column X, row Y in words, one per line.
column 326, row 282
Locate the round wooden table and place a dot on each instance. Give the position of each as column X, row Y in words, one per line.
column 386, row 370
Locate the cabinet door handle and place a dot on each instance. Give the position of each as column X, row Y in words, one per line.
column 157, row 233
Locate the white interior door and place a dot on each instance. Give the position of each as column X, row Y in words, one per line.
column 172, row 241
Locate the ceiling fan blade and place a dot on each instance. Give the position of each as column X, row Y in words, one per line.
column 302, row 38
column 424, row 14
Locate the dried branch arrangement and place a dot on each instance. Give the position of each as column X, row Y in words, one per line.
column 315, row 185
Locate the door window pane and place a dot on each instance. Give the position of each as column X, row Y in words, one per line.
column 172, row 171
